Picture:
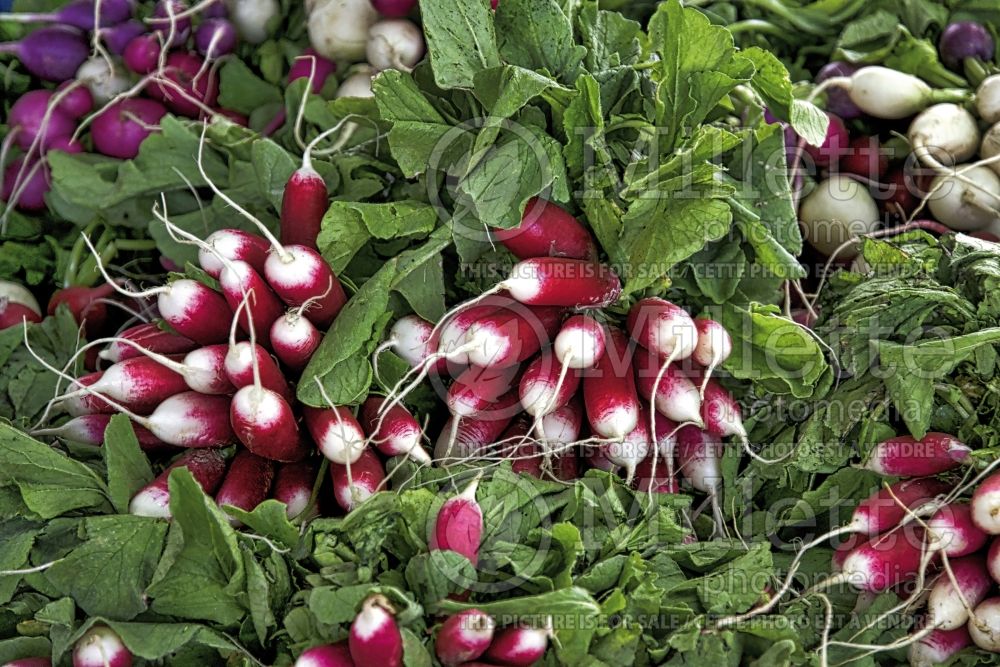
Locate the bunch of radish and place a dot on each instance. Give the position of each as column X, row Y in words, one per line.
column 374, row 30
column 947, row 174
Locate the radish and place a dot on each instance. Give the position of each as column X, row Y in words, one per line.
column 247, row 364
column 865, row 158
column 265, row 422
column 117, row 37
column 410, row 338
column 952, row 531
column 33, row 122
column 633, row 449
column 190, row 419
column 303, row 205
column 464, row 636
column 207, row 466
column 885, row 93
column 25, row 184
column 990, row 147
column 884, row 561
column 100, row 647
column 29, row 662
column 519, row 646
column 988, row 100
column 543, row 388
column 15, row 293
column 355, row 482
column 204, row 370
column 299, row 274
column 78, row 402
column 472, row 434
column 172, row 28
column 885, row 508
column 834, row 145
column 905, row 456
column 255, row 19
column 660, row 482
column 394, row 8
column 965, row 39
column 580, row 342
column 676, row 395
column 375, row 638
column 121, row 127
column 713, row 346
column 294, row 339
column 396, row 433
column 105, row 79
column 454, row 328
column 698, row 457
column 946, row 608
column 89, row 429
column 547, row 230
column 338, row 29
column 86, row 304
column 53, row 53
column 721, row 413
column 140, row 382
column 327, row 655
column 943, row 135
column 311, row 65
column 247, row 482
column 526, row 458
column 184, row 85
column 560, row 281
column 478, row 390
column 79, row 14
column 215, row 37
column 838, row 101
column 609, row 390
column 663, row 328
column 562, row 425
column 293, row 486
column 507, row 337
column 336, row 432
column 13, row 314
column 597, row 460
column 986, row 504
column 984, row 626
column 938, row 647
column 239, row 281
column 148, row 336
column 228, row 245
column 458, row 525
column 966, row 202
column 358, row 84
column 394, row 44
column 838, row 210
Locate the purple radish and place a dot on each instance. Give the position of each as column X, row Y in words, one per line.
column 835, row 144
column 294, row 339
column 327, row 655
column 464, row 636
column 80, row 14
column 458, row 525
column 53, row 53
column 946, row 609
column 609, row 390
column 100, row 647
column 375, row 638
column 394, row 8
column 142, row 53
column 952, row 531
column 120, row 129
column 164, row 21
column 265, row 422
column 231, row 245
column 336, row 432
column 149, row 336
column 29, row 184
column 965, row 39
column 905, row 456
column 185, row 86
column 28, row 118
column 519, row 646
column 396, row 433
column 993, row 560
column 214, row 38
column 293, row 486
column 207, row 466
column 117, row 37
column 355, row 482
column 838, row 102
column 247, row 482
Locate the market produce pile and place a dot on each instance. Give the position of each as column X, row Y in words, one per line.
column 533, row 332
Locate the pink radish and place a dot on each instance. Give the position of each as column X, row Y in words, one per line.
column 721, row 413
column 28, row 180
column 993, row 560
column 303, row 205
column 713, row 347
column 458, row 525
column 265, row 422
column 565, row 466
column 298, row 274
column 375, row 638
column 454, row 328
column 580, row 342
column 207, row 466
column 355, row 482
column 293, row 486
column 190, row 419
column 204, row 370
column 698, row 457
column 952, row 531
column 563, row 282
column 89, row 429
column 228, row 245
column 938, row 647
column 80, row 402
column 562, row 426
column 544, row 387
column 241, row 361
column 29, row 124
column 597, row 460
column 633, row 449
column 474, row 434
column 986, row 504
column 507, row 337
column 984, row 626
column 464, row 636
column 336, row 432
column 239, row 281
column 150, row 337
column 905, row 456
column 396, row 433
column 100, row 647
column 327, row 655
column 609, row 390
column 519, row 646
column 294, row 339
column 140, row 382
column 676, row 395
column 479, row 389
column 29, row 662
column 885, row 508
column 13, row 314
column 410, row 338
column 527, row 458
column 546, row 230
column 663, row 328
column 843, row 549
column 185, row 86
column 884, row 561
column 946, row 609
column 86, row 303
column 247, row 482
column 660, row 482
column 119, row 130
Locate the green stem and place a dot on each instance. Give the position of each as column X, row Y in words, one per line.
column 76, row 253
column 956, row 95
column 759, row 25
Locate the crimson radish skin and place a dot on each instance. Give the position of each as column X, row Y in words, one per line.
column 29, row 662
column 411, row 339
column 993, row 560
column 140, row 382
column 299, row 274
column 243, row 357
column 721, row 413
column 952, row 531
column 149, row 336
column 645, row 479
column 80, row 402
column 205, row 370
column 560, row 281
column 945, row 608
column 247, row 482
column 230, row 245
column 239, row 281
column 303, row 206
column 519, row 646
column 207, row 466
column 13, row 314
column 676, row 397
column 265, row 422
column 101, row 647
column 458, row 525
column 375, row 638
column 464, row 636
column 698, row 457
column 540, row 390
column 884, row 561
column 294, row 339
column 452, row 334
column 16, row 293
column 336, row 432
column 663, row 328
column 475, row 433
column 938, row 647
column 664, row 435
column 834, row 144
column 190, row 419
column 327, row 655
column 397, row 433
column 89, row 429
column 508, row 337
column 293, row 486
column 986, row 504
column 479, row 389
column 195, row 311
column 984, row 626
column 190, row 88
column 356, row 482
column 547, row 230
column 580, row 342
column 609, row 390
column 562, row 426
column 885, row 508
column 905, row 456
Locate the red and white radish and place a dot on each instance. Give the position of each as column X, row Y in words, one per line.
column 303, row 205
column 204, row 370
column 984, row 625
column 15, row 293
column 609, row 390
column 190, row 419
column 458, row 525
column 336, row 432
column 562, row 425
column 464, row 636
column 950, row 601
column 375, row 638
column 299, row 274
column 676, row 395
column 293, row 486
column 547, row 230
column 240, row 282
column 510, row 336
column 265, row 422
column 453, row 329
column 938, row 647
column 479, row 389
column 247, row 482
column 884, row 561
column 905, row 456
column 207, row 466
column 247, row 364
column 100, row 646
column 519, row 646
column 228, row 245
column 140, row 382
column 561, row 281
column 580, row 342
column 474, row 434
column 663, row 328
column 633, row 449
column 658, row 480
column 148, row 336
column 327, row 655
column 89, row 429
column 952, row 531
column 410, row 338
column 713, row 347
column 986, row 504
column 14, row 314
column 545, row 387
column 886, row 507
column 395, row 432
column 294, row 339
column 355, row 482
column 699, row 455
